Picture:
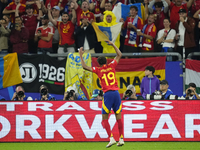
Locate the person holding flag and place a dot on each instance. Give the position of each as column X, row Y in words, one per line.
column 111, row 29
column 106, row 74
column 133, row 24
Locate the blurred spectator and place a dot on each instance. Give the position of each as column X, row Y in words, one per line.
column 44, row 36
column 83, row 11
column 197, row 14
column 71, row 94
column 191, row 92
column 95, row 7
column 113, row 3
column 174, row 8
column 19, row 37
column 30, row 21
column 164, row 88
column 66, row 29
column 97, row 95
column 19, row 94
column 86, row 36
column 150, row 83
column 133, row 24
column 195, row 7
column 165, row 38
column 108, row 21
column 130, row 94
column 108, row 6
column 160, row 13
column 185, row 33
column 8, row 22
column 11, row 8
column 4, row 35
column 44, row 93
column 64, row 5
column 56, row 16
column 148, row 35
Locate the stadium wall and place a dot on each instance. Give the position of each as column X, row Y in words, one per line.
column 38, row 121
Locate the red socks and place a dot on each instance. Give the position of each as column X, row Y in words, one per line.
column 120, row 127
column 106, row 126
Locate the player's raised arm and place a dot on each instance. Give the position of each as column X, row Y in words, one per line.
column 119, row 54
column 82, row 61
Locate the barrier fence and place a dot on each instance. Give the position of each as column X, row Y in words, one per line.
column 38, row 121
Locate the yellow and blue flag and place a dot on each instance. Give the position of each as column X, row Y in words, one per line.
column 122, row 11
column 9, row 71
column 75, row 74
column 107, row 33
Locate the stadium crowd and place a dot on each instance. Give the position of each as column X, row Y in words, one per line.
column 60, row 26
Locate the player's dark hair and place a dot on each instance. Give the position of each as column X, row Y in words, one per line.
column 70, row 16
column 134, row 7
column 158, row 4
column 18, row 17
column 150, row 68
column 102, row 60
column 192, row 85
column 167, row 19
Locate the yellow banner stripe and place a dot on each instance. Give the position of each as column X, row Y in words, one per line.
column 126, row 78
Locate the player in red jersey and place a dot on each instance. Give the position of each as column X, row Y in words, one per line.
column 106, row 74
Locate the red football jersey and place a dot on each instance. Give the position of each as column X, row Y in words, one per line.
column 174, row 15
column 66, row 32
column 31, row 24
column 106, row 74
column 45, row 32
column 80, row 13
column 12, row 6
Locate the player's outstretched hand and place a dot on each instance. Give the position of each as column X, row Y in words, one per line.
column 81, row 51
column 109, row 42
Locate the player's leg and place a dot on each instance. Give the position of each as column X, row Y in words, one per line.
column 117, row 109
column 120, row 128
column 106, row 108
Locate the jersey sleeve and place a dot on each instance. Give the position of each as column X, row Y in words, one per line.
column 113, row 63
column 9, row 6
column 95, row 70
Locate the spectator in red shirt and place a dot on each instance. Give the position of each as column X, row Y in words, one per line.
column 95, row 7
column 66, row 30
column 132, row 24
column 19, row 37
column 148, row 34
column 44, row 36
column 84, row 10
column 11, row 8
column 159, row 12
column 30, row 21
column 175, row 7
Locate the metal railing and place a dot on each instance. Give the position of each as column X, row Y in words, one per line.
column 193, row 54
column 146, row 54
